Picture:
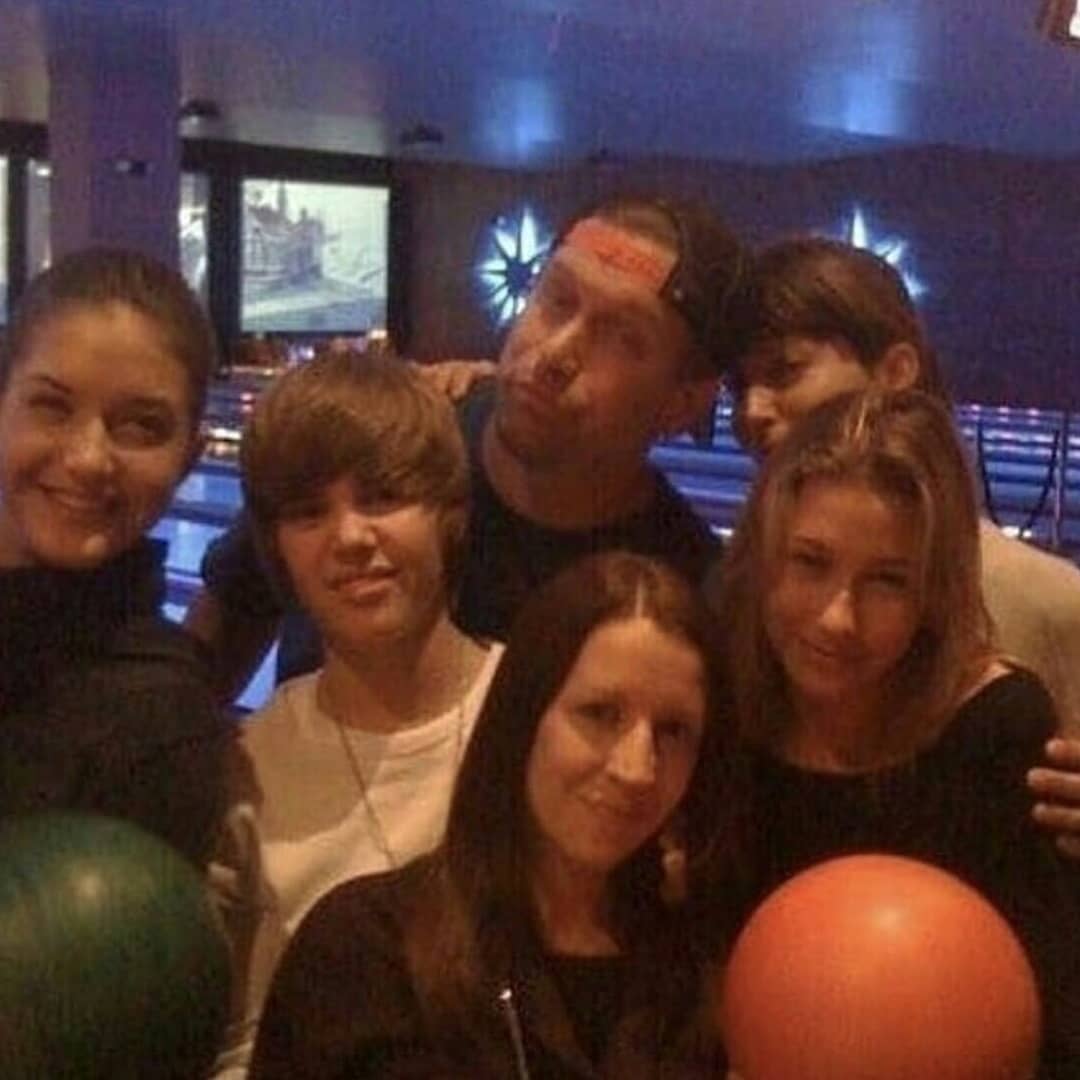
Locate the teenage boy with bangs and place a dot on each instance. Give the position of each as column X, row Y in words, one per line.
column 356, row 483
column 637, row 313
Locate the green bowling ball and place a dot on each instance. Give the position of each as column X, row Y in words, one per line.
column 112, row 961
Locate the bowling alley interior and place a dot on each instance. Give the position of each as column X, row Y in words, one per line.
column 394, row 174
column 398, row 170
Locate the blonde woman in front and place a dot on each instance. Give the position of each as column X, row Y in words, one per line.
column 866, row 681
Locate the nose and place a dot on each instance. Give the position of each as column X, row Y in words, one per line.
column 89, row 452
column 558, row 358
column 756, row 417
column 353, row 530
column 838, row 616
column 632, row 761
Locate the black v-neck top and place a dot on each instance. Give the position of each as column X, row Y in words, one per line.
column 961, row 804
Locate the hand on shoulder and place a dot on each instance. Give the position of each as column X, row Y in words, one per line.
column 455, row 378
column 1057, row 786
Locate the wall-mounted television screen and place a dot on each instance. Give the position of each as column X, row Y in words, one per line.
column 192, row 223
column 194, row 230
column 314, row 257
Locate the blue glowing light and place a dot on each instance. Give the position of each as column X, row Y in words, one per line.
column 516, row 247
column 890, row 248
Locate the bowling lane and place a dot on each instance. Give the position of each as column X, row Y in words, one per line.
column 212, row 483
column 187, row 541
column 203, row 507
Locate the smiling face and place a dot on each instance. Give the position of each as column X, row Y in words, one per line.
column 785, row 379
column 842, row 607
column 593, row 369
column 615, row 750
column 367, row 569
column 95, row 433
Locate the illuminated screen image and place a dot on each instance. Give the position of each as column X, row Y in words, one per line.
column 38, row 217
column 194, row 197
column 192, row 224
column 314, row 257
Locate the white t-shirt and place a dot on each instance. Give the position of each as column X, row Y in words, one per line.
column 309, row 828
column 1034, row 599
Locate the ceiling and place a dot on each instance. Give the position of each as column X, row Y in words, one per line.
column 536, row 83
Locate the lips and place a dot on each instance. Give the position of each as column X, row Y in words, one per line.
column 620, row 813
column 362, row 586
column 762, row 441
column 829, row 655
column 80, row 504
column 532, row 399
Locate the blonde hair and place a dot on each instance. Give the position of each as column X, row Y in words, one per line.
column 904, row 447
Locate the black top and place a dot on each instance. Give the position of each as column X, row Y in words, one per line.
column 104, row 705
column 962, row 804
column 591, row 988
column 343, row 1005
column 506, row 555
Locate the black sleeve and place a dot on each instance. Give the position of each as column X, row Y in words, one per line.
column 160, row 760
column 341, row 1004
column 233, row 572
column 1021, row 872
column 679, row 536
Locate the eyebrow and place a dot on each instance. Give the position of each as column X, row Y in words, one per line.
column 49, row 381
column 895, row 562
column 904, row 561
column 148, row 401
column 631, row 304
column 802, row 538
column 140, row 400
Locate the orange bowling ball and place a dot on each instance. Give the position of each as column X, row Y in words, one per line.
column 873, row 967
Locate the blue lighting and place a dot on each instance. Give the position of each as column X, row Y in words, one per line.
column 516, row 247
column 890, row 248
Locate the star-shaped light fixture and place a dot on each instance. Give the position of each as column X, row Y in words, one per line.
column 517, row 245
column 890, row 248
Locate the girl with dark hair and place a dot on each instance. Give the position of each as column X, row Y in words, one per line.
column 547, row 936
column 865, row 678
column 104, row 706
column 829, row 318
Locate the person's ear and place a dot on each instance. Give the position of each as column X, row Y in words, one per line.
column 899, row 368
column 689, row 403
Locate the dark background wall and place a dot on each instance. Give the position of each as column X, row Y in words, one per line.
column 994, row 239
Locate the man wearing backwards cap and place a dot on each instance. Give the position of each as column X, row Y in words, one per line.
column 638, row 311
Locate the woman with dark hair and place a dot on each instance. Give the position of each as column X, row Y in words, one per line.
column 547, row 935
column 104, row 706
column 866, row 679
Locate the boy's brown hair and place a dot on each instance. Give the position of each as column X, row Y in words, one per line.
column 361, row 414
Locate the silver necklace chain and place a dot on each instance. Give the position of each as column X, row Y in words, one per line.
column 378, row 833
